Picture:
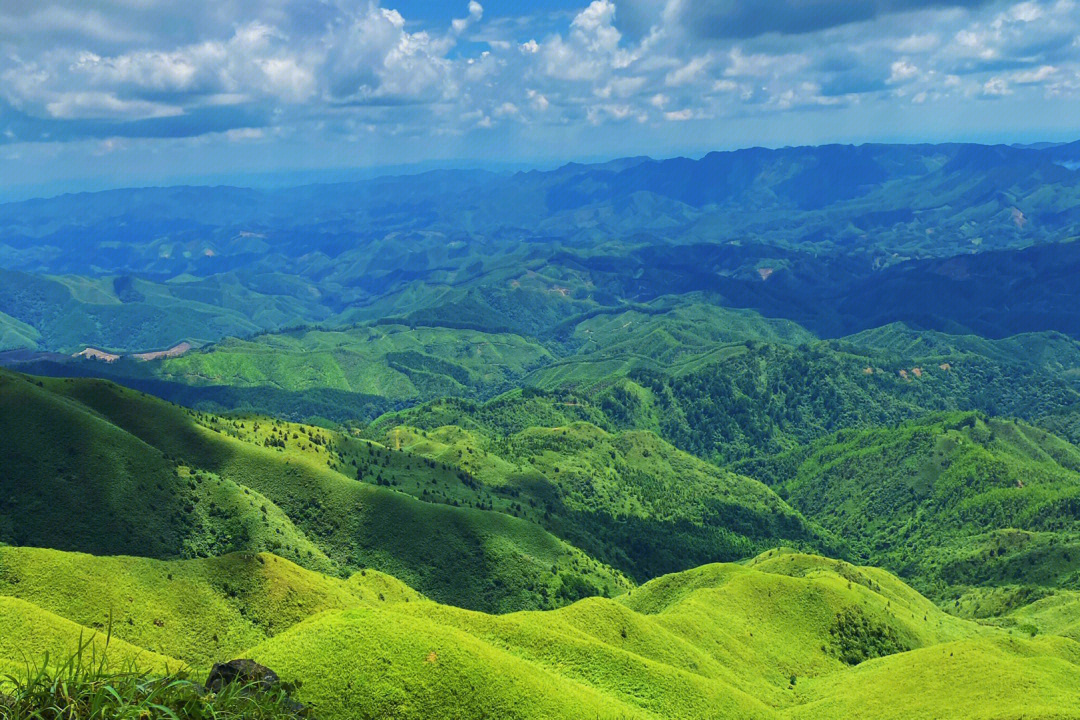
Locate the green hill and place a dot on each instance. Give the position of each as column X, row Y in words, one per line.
column 950, row 501
column 75, row 481
column 770, row 398
column 197, row 611
column 69, row 312
column 1050, row 352
column 629, row 499
column 784, row 636
column 1056, row 614
column 98, row 468
column 396, row 362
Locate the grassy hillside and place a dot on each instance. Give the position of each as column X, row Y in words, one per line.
column 1056, row 614
column 69, row 312
column 1050, row 352
column 768, row 398
column 197, row 611
column 395, row 362
column 168, row 486
column 75, row 481
column 629, row 499
column 784, row 636
column 30, row 635
column 16, row 335
column 950, row 501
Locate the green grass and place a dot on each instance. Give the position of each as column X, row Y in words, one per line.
column 16, row 335
column 629, row 499
column 32, row 636
column 198, row 611
column 101, row 469
column 396, row 362
column 1057, row 614
column 722, row 640
column 67, row 313
column 784, row 635
column 75, row 481
column 950, row 501
column 91, row 684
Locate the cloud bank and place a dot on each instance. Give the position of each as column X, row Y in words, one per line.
column 352, row 71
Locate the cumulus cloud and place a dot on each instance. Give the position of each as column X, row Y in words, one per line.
column 902, row 70
column 476, row 12
column 247, row 70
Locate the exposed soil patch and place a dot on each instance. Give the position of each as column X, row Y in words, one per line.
column 95, row 354
column 175, row 351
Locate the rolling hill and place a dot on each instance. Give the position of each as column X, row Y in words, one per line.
column 954, row 502
column 97, row 468
column 783, row 636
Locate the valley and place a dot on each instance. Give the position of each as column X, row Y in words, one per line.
column 566, row 456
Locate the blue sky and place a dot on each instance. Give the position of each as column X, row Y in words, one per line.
column 99, row 93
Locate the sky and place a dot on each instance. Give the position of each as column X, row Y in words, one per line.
column 104, row 93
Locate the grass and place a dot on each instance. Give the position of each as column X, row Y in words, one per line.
column 722, row 640
column 197, row 611
column 951, row 501
column 628, row 499
column 1056, row 614
column 396, row 362
column 90, row 685
column 786, row 635
column 98, row 468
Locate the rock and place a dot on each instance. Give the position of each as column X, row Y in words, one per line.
column 245, row 672
column 254, row 678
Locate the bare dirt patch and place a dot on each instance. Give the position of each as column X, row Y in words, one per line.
column 175, row 351
column 95, row 354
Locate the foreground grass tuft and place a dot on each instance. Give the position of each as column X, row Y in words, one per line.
column 87, row 687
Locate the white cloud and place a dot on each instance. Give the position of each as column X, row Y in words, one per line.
column 245, row 134
column 689, row 73
column 1026, row 12
column 762, row 64
column 917, row 43
column 901, row 71
column 592, row 48
column 90, row 105
column 679, row 115
column 476, row 12
column 1038, row 75
column 538, row 101
column 356, row 64
column 996, row 87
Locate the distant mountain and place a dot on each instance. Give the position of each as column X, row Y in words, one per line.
column 793, row 232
